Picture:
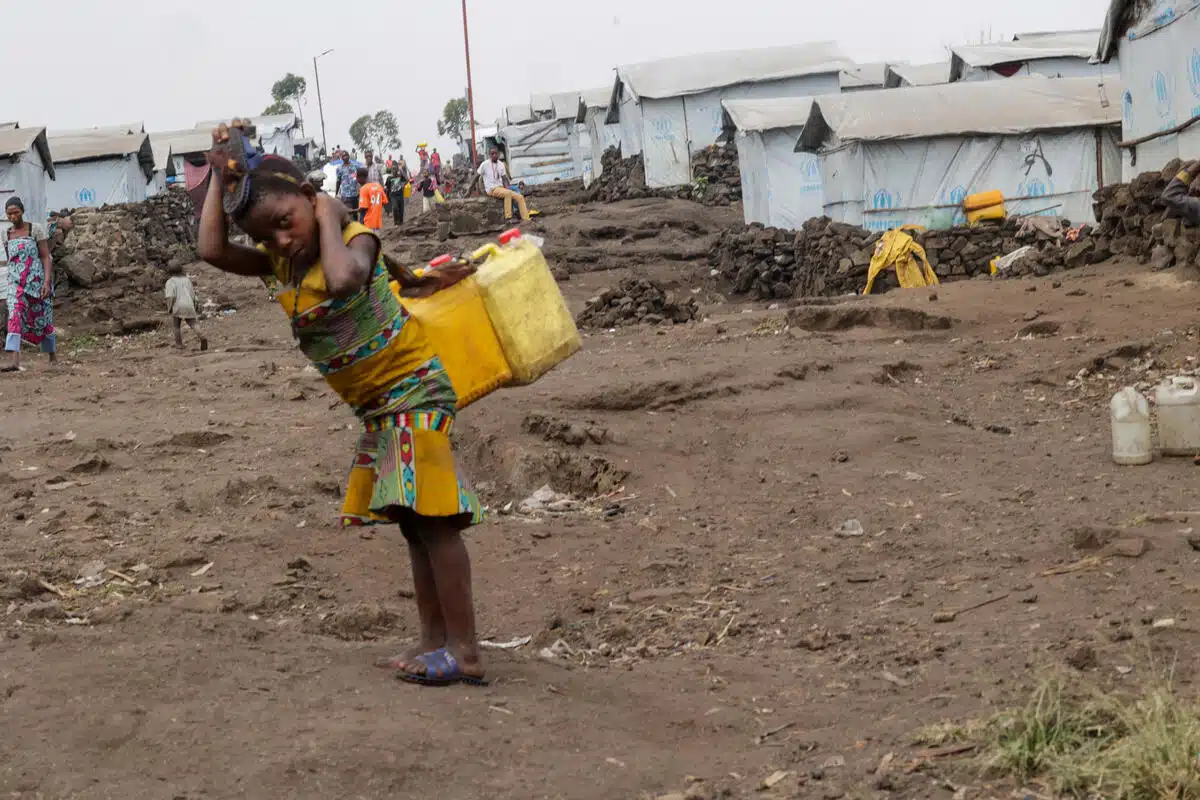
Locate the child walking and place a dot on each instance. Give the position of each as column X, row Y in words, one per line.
column 371, row 200
column 345, row 318
column 181, row 304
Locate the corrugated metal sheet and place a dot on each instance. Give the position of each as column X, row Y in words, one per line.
column 898, row 75
column 676, row 77
column 15, row 141
column 768, row 113
column 1014, row 106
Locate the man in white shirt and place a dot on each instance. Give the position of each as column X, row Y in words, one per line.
column 495, row 184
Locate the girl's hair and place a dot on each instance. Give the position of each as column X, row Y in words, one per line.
column 14, row 202
column 274, row 175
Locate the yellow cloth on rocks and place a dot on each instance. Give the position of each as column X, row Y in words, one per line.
column 898, row 251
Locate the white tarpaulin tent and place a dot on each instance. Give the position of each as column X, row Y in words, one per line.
column 899, row 76
column 863, row 76
column 1051, row 55
column 670, row 109
column 276, row 133
column 1156, row 45
column 25, row 162
column 99, row 169
column 190, row 144
column 781, row 188
column 912, row 155
column 593, row 109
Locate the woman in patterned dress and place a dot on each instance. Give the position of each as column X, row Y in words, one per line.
column 30, row 286
column 333, row 285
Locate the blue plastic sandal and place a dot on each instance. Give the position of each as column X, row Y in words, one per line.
column 441, row 669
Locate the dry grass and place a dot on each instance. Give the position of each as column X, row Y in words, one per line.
column 1141, row 748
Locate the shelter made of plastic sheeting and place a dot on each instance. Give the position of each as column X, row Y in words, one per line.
column 601, row 136
column 1061, row 55
column 542, row 152
column 882, row 185
column 899, row 76
column 781, row 187
column 25, row 168
column 673, row 129
column 994, row 107
column 98, row 182
column 1160, row 67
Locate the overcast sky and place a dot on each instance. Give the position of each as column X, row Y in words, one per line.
column 172, row 63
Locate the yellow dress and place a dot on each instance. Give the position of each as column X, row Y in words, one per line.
column 375, row 356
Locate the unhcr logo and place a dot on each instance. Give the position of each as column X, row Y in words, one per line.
column 85, row 197
column 1194, row 72
column 1033, row 188
column 1161, row 85
column 883, row 200
column 811, row 170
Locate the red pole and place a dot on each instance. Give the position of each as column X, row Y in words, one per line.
column 470, row 90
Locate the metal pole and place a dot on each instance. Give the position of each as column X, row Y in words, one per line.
column 470, row 89
column 320, row 105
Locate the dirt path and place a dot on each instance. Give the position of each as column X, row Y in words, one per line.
column 703, row 601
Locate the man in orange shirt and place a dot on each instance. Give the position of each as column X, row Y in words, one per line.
column 371, row 200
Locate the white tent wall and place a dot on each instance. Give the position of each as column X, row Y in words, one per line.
column 676, row 128
column 794, row 180
column 1045, row 67
column 631, row 125
column 279, row 143
column 756, row 189
column 25, row 178
column 602, row 136
column 97, row 183
column 157, row 184
column 665, row 142
column 1161, row 73
column 924, row 181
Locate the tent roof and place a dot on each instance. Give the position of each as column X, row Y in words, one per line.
column 1079, row 44
column 518, row 114
column 768, row 113
column 1010, row 107
column 122, row 128
column 566, row 105
column 1136, row 18
column 916, row 75
column 863, row 76
column 182, row 143
column 541, row 103
column 593, row 98
column 684, row 75
column 268, row 124
column 95, row 146
column 16, row 140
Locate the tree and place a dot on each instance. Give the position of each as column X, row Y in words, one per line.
column 379, row 132
column 455, row 121
column 287, row 94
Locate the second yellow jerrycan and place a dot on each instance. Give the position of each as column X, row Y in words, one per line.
column 458, row 327
column 527, row 310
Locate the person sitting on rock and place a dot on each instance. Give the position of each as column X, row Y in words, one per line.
column 1176, row 198
column 494, row 175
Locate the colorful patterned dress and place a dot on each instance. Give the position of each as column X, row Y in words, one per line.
column 378, row 360
column 30, row 316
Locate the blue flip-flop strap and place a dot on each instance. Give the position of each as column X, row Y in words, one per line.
column 439, row 664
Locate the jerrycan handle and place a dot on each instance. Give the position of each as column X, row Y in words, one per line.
column 486, row 251
column 441, row 261
column 1184, row 383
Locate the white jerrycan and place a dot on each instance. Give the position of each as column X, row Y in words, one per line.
column 1131, row 440
column 1178, row 400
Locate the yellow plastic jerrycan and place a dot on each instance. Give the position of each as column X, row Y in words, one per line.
column 461, row 333
column 528, row 313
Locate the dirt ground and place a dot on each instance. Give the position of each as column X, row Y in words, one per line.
column 182, row 617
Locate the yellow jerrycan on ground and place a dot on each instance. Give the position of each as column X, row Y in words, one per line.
column 528, row 312
column 461, row 333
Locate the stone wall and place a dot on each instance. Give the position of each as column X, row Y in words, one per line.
column 1133, row 222
column 826, row 258
column 716, row 175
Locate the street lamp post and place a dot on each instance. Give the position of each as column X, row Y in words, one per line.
column 320, row 105
column 470, row 89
